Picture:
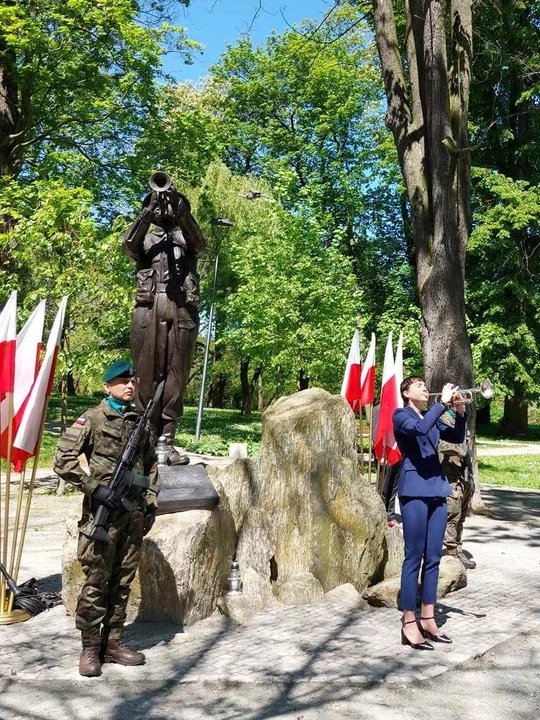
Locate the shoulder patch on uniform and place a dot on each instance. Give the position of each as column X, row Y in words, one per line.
column 73, row 432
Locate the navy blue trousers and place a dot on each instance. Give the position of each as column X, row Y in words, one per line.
column 424, row 524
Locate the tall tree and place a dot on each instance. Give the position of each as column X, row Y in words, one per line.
column 427, row 75
column 505, row 119
column 77, row 82
column 428, row 97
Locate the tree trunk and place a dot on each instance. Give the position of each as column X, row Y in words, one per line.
column 260, row 394
column 428, row 116
column 216, row 392
column 303, row 380
column 515, row 421
column 248, row 386
column 483, row 415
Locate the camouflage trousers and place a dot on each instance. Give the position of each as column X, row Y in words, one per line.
column 458, row 505
column 109, row 571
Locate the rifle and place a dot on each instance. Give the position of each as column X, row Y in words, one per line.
column 123, row 477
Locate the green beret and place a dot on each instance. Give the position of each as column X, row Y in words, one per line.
column 119, row 368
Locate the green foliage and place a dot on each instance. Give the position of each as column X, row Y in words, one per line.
column 505, row 310
column 305, row 112
column 81, row 77
column 54, row 247
column 285, row 301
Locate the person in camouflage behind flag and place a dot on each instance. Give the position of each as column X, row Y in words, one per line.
column 456, row 464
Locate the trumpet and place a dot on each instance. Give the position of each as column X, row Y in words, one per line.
column 160, row 181
column 464, row 396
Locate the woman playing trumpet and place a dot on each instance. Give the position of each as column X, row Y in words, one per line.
column 422, row 493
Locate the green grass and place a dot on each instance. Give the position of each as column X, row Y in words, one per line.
column 514, row 470
column 219, row 428
column 222, row 427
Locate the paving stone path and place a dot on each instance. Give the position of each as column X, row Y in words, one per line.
column 323, row 645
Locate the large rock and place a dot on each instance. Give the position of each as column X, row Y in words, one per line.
column 323, row 522
column 452, row 576
column 185, row 562
column 394, row 552
column 384, row 594
column 346, row 596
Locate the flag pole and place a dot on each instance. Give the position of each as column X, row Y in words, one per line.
column 16, row 522
column 30, row 491
column 361, row 439
column 6, row 498
column 370, row 439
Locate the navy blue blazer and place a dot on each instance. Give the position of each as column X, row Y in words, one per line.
column 421, row 474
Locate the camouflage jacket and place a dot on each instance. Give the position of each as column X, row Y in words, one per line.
column 100, row 435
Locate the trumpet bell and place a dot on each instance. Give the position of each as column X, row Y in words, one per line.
column 486, row 389
column 160, row 181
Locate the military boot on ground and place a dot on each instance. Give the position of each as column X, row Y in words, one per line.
column 89, row 662
column 118, row 652
column 467, row 562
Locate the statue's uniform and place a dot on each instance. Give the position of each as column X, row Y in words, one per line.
column 165, row 322
column 100, row 435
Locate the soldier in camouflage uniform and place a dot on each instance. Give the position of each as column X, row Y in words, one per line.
column 100, row 435
column 456, row 464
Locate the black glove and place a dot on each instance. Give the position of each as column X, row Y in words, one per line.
column 149, row 519
column 105, row 496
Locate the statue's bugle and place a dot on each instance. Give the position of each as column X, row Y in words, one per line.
column 160, row 181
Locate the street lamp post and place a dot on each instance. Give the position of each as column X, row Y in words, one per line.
column 225, row 225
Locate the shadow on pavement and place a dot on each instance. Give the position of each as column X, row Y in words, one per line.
column 513, row 505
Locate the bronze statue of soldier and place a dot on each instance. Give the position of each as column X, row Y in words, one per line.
column 165, row 321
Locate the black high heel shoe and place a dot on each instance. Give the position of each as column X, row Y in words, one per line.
column 416, row 646
column 442, row 638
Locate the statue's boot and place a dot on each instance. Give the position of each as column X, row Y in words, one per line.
column 174, row 457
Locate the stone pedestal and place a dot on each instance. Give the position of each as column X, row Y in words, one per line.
column 307, row 521
column 184, row 564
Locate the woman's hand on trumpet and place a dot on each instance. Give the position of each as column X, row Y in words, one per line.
column 447, row 393
column 450, row 395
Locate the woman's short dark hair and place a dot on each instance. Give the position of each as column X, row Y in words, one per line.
column 406, row 384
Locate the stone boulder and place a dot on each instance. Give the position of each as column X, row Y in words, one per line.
column 452, row 576
column 385, row 593
column 185, row 561
column 346, row 596
column 308, row 522
column 394, row 552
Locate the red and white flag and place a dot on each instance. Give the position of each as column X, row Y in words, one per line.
column 398, row 369
column 351, row 388
column 385, row 443
column 367, row 380
column 27, row 350
column 28, row 433
column 8, row 336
